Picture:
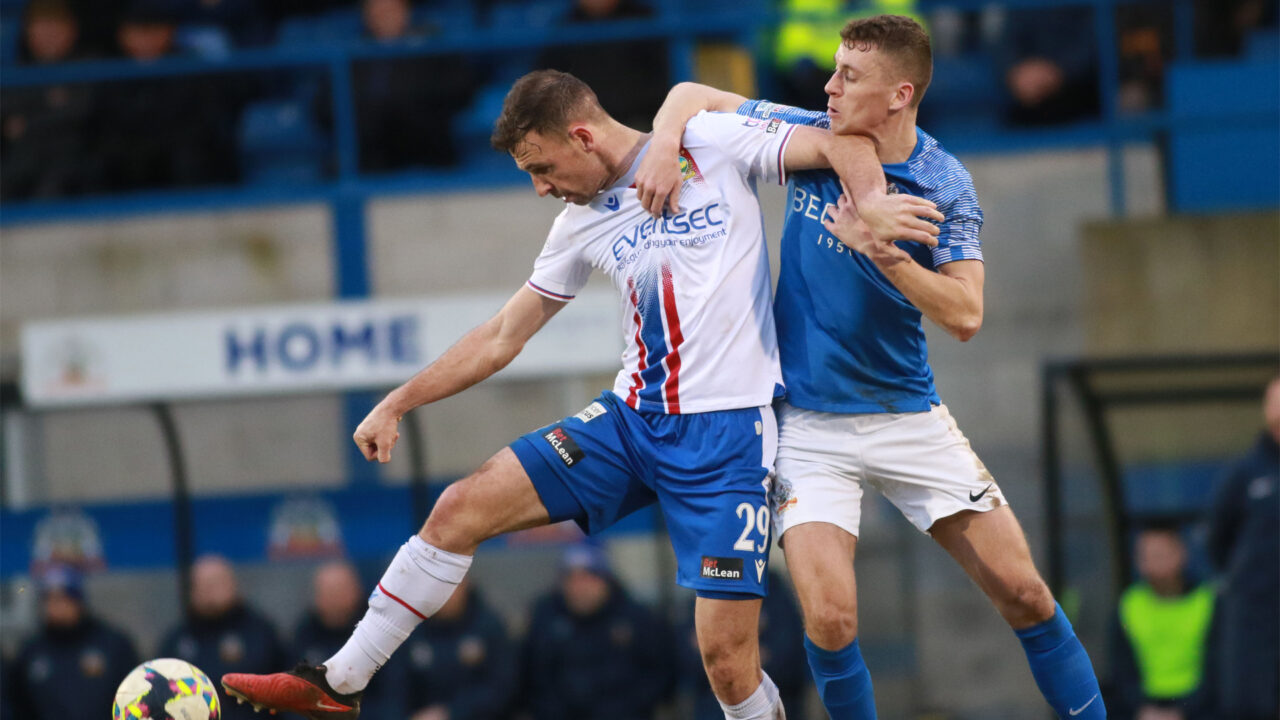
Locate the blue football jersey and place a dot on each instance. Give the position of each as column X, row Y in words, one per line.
column 850, row 342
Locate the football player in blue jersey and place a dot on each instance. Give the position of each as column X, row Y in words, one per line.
column 861, row 405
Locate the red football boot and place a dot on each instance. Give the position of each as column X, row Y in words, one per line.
column 302, row 690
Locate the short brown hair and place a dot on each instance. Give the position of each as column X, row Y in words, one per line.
column 902, row 39
column 543, row 101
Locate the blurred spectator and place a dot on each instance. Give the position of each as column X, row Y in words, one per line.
column 593, row 653
column 1159, row 633
column 405, row 107
column 337, row 603
column 781, row 655
column 50, row 33
column 1146, row 46
column 43, row 129
column 71, row 668
column 1223, row 26
column 221, row 633
column 1244, row 545
column 1050, row 65
column 167, row 131
column 243, row 21
column 631, row 77
column 463, row 664
column 807, row 39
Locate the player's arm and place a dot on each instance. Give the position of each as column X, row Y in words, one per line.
column 658, row 177
column 854, row 158
column 950, row 297
column 479, row 354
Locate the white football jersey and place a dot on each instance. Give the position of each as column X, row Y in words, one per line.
column 695, row 292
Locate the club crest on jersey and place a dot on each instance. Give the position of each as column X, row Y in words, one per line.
column 892, row 189
column 689, row 168
column 721, row 568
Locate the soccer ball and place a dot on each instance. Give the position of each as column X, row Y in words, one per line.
column 166, row 689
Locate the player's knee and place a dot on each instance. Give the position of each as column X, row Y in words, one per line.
column 727, row 665
column 452, row 525
column 1027, row 602
column 832, row 626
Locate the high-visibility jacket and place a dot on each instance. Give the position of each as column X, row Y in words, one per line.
column 1168, row 637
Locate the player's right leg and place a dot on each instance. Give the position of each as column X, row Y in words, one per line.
column 817, row 510
column 497, row 498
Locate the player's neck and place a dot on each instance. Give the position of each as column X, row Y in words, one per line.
column 620, row 147
column 896, row 139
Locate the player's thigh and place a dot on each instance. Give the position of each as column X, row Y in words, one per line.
column 495, row 499
column 712, row 477
column 728, row 630
column 587, row 467
column 818, row 478
column 820, row 559
column 993, row 550
column 924, row 465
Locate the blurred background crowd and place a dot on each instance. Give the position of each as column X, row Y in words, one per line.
column 998, row 67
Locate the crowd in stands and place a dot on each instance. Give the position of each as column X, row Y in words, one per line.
column 1003, row 66
column 591, row 651
column 1185, row 643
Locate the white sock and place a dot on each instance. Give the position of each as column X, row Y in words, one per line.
column 419, row 580
column 763, row 704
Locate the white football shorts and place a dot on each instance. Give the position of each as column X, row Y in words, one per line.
column 920, row 461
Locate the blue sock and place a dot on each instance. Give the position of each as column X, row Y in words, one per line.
column 1061, row 668
column 843, row 681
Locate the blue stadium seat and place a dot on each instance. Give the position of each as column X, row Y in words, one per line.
column 208, row 42
column 535, row 14
column 473, row 126
column 333, row 27
column 965, row 94
column 9, row 41
column 1263, row 45
column 280, row 142
column 1224, row 152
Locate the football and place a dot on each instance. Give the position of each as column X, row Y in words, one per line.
column 166, row 689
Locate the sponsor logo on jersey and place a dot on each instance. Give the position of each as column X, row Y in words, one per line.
column 772, row 127
column 690, row 228
column 612, row 203
column 721, row 568
column 564, row 445
column 760, row 565
column 591, row 412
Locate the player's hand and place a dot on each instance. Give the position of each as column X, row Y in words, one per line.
column 658, row 180
column 900, row 217
column 846, row 224
column 377, row 434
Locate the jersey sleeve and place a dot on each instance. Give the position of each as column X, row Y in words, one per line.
column 765, row 110
column 958, row 236
column 560, row 271
column 756, row 147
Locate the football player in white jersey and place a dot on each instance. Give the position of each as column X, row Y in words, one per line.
column 688, row 423
column 861, row 406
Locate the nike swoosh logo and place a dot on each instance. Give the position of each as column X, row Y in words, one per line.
column 976, row 498
column 1080, row 709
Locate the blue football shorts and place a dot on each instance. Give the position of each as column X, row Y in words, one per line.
column 710, row 474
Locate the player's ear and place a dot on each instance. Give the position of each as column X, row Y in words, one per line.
column 902, row 96
column 580, row 137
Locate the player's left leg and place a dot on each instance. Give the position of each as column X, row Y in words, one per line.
column 993, row 551
column 924, row 465
column 712, row 481
column 728, row 638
